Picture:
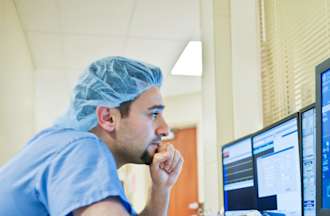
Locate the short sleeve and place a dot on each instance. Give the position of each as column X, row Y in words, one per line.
column 83, row 173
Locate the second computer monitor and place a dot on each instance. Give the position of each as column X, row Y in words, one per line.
column 308, row 141
column 278, row 169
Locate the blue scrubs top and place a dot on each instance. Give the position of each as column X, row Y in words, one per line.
column 58, row 171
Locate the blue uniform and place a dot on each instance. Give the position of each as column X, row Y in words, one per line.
column 59, row 170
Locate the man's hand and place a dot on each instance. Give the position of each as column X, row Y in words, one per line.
column 165, row 169
column 166, row 166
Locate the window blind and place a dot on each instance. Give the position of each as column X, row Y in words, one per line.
column 295, row 37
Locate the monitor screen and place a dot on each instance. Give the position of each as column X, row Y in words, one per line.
column 277, row 164
column 238, row 180
column 325, row 136
column 308, row 141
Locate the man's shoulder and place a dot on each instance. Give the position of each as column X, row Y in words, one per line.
column 62, row 136
column 68, row 146
column 54, row 141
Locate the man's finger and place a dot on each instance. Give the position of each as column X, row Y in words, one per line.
column 168, row 164
column 178, row 166
column 175, row 160
column 160, row 158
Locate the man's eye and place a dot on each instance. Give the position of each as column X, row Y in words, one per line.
column 154, row 115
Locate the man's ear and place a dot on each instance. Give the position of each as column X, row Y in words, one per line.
column 107, row 118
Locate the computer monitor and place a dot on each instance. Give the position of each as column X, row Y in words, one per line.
column 323, row 137
column 308, row 144
column 238, row 180
column 276, row 154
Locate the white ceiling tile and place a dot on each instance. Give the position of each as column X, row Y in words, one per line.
column 39, row 15
column 162, row 53
column 81, row 50
column 165, row 19
column 106, row 17
column 46, row 50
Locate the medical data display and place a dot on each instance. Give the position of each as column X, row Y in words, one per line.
column 325, row 109
column 277, row 164
column 238, row 180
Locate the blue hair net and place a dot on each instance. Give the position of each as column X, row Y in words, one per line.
column 107, row 82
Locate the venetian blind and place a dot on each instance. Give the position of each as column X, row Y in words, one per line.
column 295, row 37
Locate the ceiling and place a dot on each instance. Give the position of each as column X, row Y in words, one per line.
column 69, row 34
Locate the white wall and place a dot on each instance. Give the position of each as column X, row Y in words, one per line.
column 246, row 69
column 53, row 92
column 183, row 110
column 16, row 84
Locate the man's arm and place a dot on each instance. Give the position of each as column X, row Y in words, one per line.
column 158, row 203
column 165, row 170
column 108, row 207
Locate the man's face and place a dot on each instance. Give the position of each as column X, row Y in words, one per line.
column 139, row 134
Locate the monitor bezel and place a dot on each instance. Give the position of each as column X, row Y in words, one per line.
column 320, row 69
column 301, row 111
column 288, row 118
column 222, row 164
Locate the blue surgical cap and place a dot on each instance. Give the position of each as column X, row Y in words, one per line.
column 107, row 82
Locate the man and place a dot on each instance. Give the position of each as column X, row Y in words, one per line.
column 115, row 118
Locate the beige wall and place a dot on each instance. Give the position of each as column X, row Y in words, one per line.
column 246, row 69
column 16, row 84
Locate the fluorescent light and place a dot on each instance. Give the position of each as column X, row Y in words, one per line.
column 190, row 61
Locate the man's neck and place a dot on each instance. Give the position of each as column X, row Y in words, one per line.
column 108, row 140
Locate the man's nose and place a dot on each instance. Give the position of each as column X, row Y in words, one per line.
column 163, row 129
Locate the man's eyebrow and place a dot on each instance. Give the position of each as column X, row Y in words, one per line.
column 159, row 107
